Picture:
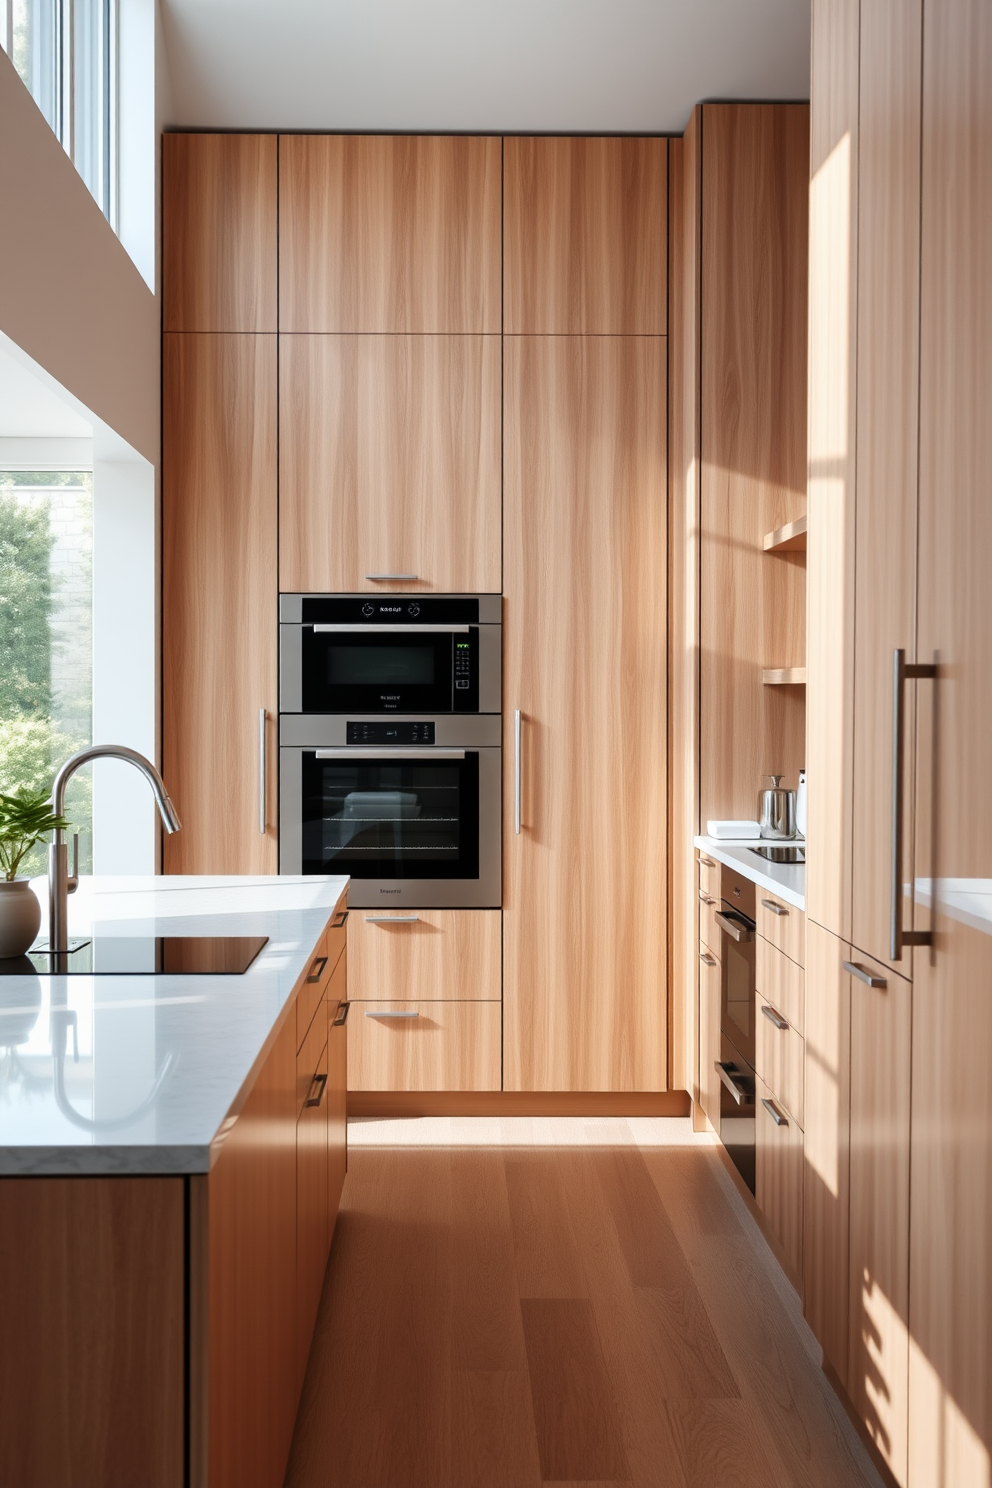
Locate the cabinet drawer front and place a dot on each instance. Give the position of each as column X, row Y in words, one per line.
column 441, row 954
column 781, row 982
column 779, row 1057
column 709, row 876
column 309, row 1056
column 709, row 931
column 778, row 1159
column 311, row 993
column 782, row 925
column 442, row 1046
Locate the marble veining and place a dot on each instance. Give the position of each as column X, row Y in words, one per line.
column 787, row 880
column 140, row 1074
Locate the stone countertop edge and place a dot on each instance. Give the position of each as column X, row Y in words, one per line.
column 172, row 1158
column 787, row 880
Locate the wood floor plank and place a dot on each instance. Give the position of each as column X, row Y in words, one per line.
column 578, row 1435
column 487, row 1334
column 720, row 1446
column 493, row 1440
column 546, row 1255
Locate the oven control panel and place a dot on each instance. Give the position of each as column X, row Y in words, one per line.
column 390, row 733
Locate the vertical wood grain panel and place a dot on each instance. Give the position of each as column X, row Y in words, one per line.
column 753, row 442
column 888, row 377
column 390, row 462
column 951, row 1184
column 683, row 601
column 453, row 954
column 833, row 303
column 828, row 1145
column 446, row 1046
column 778, row 1177
column 219, row 530
column 585, row 236
column 584, row 659
column 219, row 232
column 389, row 233
column 92, row 1297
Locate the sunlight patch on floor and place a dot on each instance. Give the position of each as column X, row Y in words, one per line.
column 525, row 1131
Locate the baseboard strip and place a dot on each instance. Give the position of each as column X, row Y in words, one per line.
column 518, row 1103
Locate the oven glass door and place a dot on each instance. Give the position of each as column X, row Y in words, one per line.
column 737, row 1011
column 395, row 818
column 400, row 670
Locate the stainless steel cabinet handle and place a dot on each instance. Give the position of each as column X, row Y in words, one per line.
column 393, row 629
column 776, row 909
column 774, row 1112
column 730, row 1077
column 707, row 959
column 901, row 671
column 390, row 752
column 707, row 862
column 342, row 1016
column 385, row 1013
column 518, row 771
column 392, row 919
column 390, row 578
column 734, row 929
column 317, row 969
column 315, row 1100
column 706, row 898
column 773, row 1016
column 261, row 771
column 870, row 978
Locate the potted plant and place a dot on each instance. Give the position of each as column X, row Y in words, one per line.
column 25, row 818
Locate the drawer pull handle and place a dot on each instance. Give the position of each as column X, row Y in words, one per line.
column 737, row 928
column 339, row 919
column 342, row 1016
column 392, row 919
column 862, row 973
column 707, row 862
column 315, row 1100
column 776, row 909
column 734, row 1083
column 707, row 959
column 706, row 898
column 386, row 578
column 317, row 969
column 384, row 1013
column 773, row 1016
column 774, row 1112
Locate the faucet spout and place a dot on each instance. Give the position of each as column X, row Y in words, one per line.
column 58, row 853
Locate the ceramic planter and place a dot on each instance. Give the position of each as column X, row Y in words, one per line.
column 20, row 917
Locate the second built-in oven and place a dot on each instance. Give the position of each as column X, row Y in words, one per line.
column 736, row 924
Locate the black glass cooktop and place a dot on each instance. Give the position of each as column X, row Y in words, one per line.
column 781, row 854
column 143, row 955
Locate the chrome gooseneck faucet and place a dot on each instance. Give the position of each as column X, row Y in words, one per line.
column 60, row 883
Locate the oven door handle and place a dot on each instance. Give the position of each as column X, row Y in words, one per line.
column 388, row 753
column 741, row 1094
column 734, row 928
column 392, row 629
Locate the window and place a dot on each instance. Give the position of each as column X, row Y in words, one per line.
column 46, row 639
column 65, row 52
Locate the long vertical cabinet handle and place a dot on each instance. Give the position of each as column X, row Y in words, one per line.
column 518, row 771
column 901, row 672
column 261, row 771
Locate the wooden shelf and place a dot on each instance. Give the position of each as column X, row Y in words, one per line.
column 784, row 677
column 788, row 539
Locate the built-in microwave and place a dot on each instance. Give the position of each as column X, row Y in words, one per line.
column 358, row 655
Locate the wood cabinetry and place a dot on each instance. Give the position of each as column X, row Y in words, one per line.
column 389, row 462
column 389, row 233
column 338, row 1008
column 431, row 955
column 778, row 1174
column 710, row 974
column 219, row 232
column 585, row 236
column 219, row 536
column 584, row 962
column 424, row 1045
column 782, row 925
column 312, row 1172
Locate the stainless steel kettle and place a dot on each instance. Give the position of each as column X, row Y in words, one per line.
column 777, row 811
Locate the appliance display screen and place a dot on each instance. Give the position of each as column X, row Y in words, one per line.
column 380, row 666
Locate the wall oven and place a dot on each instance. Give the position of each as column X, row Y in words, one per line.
column 360, row 654
column 735, row 1066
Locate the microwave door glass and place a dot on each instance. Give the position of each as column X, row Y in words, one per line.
column 380, row 666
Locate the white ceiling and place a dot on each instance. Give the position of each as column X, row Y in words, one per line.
column 31, row 410
column 478, row 65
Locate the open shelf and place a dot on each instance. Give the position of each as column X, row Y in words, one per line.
column 784, row 677
column 788, row 539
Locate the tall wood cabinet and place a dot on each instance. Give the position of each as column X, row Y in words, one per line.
column 900, row 540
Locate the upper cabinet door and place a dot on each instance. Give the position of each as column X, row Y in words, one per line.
column 219, row 194
column 586, row 236
column 389, row 233
column 389, row 461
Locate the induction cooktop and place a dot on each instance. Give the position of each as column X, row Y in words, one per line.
column 142, row 955
column 781, row 854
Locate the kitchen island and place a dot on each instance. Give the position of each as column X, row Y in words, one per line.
column 173, row 1149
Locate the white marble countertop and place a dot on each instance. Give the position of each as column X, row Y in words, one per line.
column 787, row 880
column 163, row 1061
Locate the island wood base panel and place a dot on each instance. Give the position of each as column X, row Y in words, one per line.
column 518, row 1103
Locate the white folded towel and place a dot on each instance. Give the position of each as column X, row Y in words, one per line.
column 730, row 831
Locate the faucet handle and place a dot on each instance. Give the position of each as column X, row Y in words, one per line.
column 72, row 880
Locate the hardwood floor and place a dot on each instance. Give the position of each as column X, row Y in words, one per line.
column 516, row 1302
